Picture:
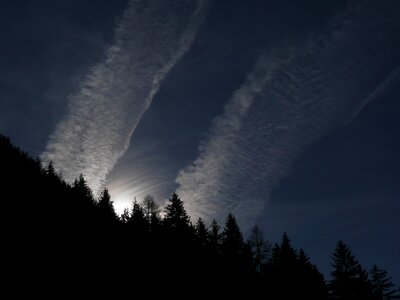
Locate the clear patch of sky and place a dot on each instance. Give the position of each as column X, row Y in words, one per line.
column 346, row 186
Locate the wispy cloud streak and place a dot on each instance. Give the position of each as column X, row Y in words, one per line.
column 151, row 38
column 296, row 93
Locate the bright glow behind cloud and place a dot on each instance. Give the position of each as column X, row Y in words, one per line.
column 150, row 39
column 140, row 178
column 295, row 94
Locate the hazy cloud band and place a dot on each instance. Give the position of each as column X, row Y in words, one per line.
column 296, row 93
column 151, row 38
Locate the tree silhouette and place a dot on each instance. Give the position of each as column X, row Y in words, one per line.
column 51, row 172
column 348, row 279
column 215, row 237
column 232, row 241
column 292, row 275
column 283, row 270
column 284, row 255
column 84, row 204
column 214, row 242
column 178, row 237
column 83, row 189
column 106, row 208
column 150, row 207
column 311, row 282
column 382, row 286
column 60, row 229
column 260, row 248
column 137, row 220
column 176, row 217
column 125, row 216
column 201, row 233
column 152, row 213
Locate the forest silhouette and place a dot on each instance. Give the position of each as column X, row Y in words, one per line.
column 53, row 229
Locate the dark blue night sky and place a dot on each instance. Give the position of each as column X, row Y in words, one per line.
column 284, row 112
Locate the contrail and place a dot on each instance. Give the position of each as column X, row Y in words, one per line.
column 296, row 93
column 150, row 39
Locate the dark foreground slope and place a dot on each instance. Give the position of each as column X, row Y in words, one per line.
column 57, row 236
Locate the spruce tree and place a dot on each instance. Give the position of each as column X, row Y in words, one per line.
column 201, row 233
column 284, row 255
column 214, row 238
column 311, row 282
column 137, row 219
column 50, row 171
column 106, row 208
column 176, row 217
column 84, row 204
column 348, row 279
column 283, row 270
column 232, row 241
column 382, row 286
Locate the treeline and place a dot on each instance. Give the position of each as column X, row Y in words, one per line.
column 53, row 228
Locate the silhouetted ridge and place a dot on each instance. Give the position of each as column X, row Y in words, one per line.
column 60, row 234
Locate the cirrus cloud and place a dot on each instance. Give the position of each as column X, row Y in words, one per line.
column 297, row 92
column 150, row 39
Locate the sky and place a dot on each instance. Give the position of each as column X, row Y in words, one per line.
column 282, row 112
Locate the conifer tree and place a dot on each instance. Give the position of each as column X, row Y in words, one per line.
column 348, row 279
column 311, row 282
column 137, row 219
column 152, row 213
column 125, row 216
column 176, row 217
column 83, row 193
column 382, row 286
column 106, row 208
column 214, row 237
column 84, row 204
column 201, row 233
column 232, row 240
column 260, row 248
column 150, row 207
column 285, row 255
column 50, row 171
